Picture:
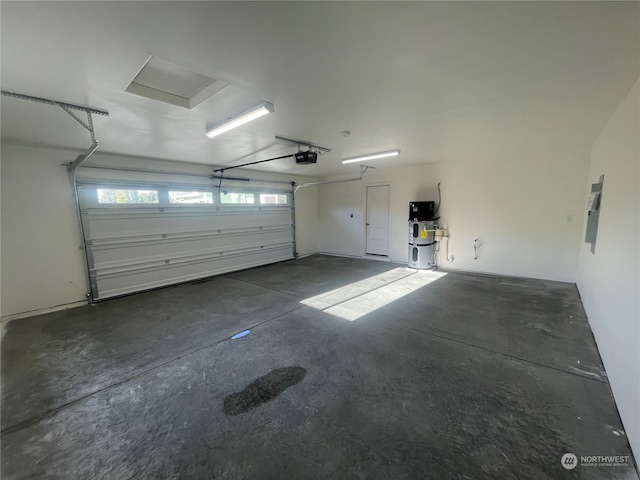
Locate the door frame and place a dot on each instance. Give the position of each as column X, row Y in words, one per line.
column 386, row 258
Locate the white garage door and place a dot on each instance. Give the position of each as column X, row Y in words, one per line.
column 143, row 236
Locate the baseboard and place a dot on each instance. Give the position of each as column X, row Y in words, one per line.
column 497, row 274
column 40, row 311
column 330, row 254
column 305, row 255
column 378, row 258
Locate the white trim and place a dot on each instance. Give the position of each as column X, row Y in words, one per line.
column 379, row 258
column 300, row 256
column 330, row 254
column 41, row 311
column 449, row 269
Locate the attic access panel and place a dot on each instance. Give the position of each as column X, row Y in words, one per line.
column 165, row 81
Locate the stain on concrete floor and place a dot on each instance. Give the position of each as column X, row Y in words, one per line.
column 262, row 390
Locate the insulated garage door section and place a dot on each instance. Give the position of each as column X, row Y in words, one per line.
column 139, row 237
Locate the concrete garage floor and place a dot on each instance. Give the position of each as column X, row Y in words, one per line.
column 353, row 369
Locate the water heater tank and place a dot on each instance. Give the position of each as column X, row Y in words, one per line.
column 421, row 244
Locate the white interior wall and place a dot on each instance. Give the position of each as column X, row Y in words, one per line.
column 42, row 261
column 306, row 219
column 525, row 209
column 41, row 258
column 609, row 280
column 340, row 218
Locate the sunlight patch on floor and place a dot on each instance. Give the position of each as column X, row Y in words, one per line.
column 365, row 296
column 333, row 297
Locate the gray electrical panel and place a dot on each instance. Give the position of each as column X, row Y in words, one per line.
column 593, row 213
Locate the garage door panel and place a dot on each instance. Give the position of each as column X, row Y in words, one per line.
column 132, row 247
column 113, row 225
column 112, row 283
column 148, row 250
column 113, row 240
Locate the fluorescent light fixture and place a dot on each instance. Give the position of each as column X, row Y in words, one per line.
column 372, row 156
column 241, row 119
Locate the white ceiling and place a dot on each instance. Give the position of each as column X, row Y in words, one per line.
column 440, row 80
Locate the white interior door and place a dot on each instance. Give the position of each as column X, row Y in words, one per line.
column 378, row 220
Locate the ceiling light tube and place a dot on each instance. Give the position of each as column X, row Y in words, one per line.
column 241, row 119
column 372, row 156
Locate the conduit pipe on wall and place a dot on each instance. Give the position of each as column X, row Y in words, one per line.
column 448, row 258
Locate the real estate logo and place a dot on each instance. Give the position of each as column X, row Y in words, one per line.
column 569, row 461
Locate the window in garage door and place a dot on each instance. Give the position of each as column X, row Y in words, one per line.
column 118, row 195
column 139, row 237
column 242, row 198
column 190, row 197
